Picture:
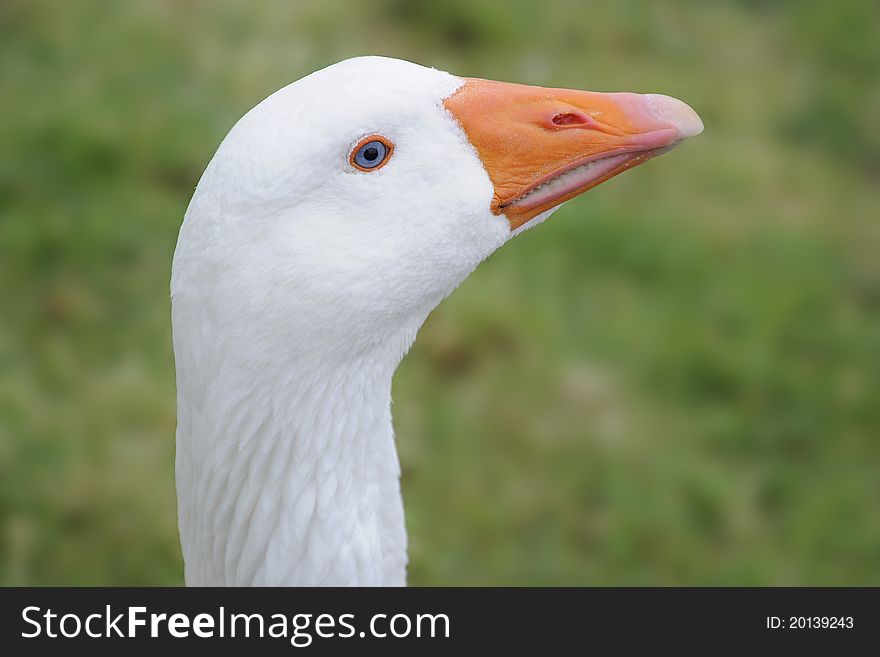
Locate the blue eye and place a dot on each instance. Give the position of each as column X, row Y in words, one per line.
column 371, row 153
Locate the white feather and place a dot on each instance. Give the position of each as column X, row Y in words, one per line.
column 298, row 285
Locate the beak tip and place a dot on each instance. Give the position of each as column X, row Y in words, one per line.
column 675, row 112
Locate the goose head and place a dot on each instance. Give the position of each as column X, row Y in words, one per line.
column 350, row 203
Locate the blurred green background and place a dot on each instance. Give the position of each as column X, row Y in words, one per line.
column 674, row 381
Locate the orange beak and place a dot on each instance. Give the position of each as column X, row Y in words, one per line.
column 542, row 147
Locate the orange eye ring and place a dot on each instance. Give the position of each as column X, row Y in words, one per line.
column 370, row 153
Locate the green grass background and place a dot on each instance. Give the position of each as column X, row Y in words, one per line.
column 674, row 381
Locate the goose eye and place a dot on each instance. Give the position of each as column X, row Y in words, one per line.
column 371, row 153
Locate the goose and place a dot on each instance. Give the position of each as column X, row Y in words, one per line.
column 334, row 216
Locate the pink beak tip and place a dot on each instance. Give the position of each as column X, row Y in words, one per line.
column 673, row 111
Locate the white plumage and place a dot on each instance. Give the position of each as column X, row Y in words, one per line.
column 299, row 282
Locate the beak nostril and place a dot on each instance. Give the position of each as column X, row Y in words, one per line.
column 567, row 118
